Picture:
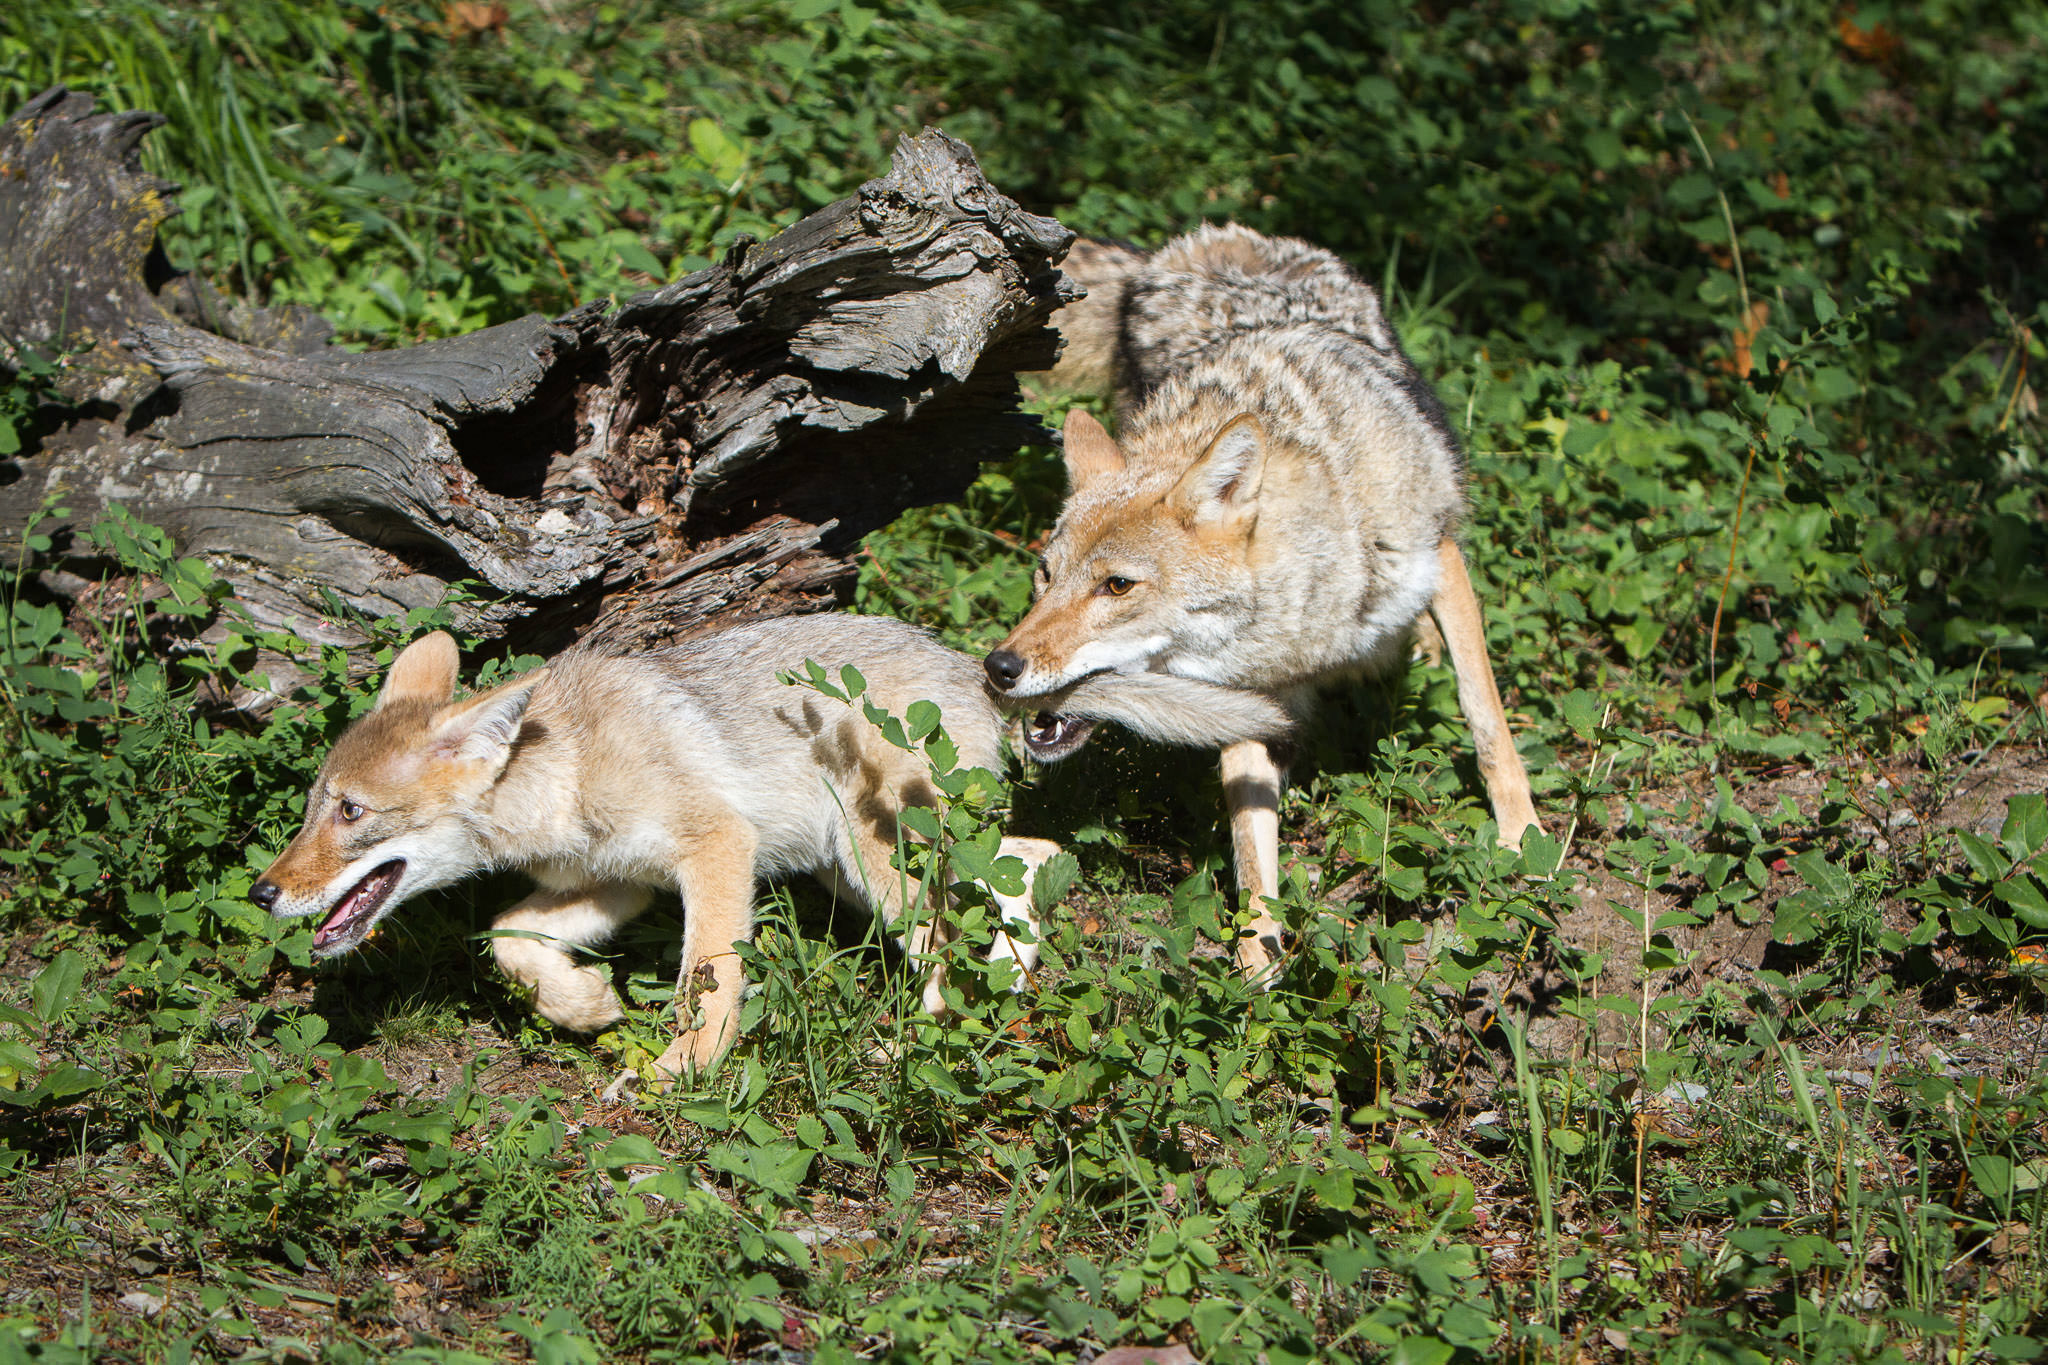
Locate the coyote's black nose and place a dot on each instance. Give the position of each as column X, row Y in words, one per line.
column 264, row 894
column 1004, row 668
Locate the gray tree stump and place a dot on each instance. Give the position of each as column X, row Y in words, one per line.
column 712, row 448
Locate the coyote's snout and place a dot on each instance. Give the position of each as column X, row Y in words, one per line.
column 391, row 813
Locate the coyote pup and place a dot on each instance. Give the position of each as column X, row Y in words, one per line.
column 1278, row 514
column 690, row 769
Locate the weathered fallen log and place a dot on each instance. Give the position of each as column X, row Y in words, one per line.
column 711, row 448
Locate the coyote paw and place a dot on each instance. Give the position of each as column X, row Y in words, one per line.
column 579, row 998
column 620, row 1091
column 1515, row 827
column 1260, row 958
column 693, row 1055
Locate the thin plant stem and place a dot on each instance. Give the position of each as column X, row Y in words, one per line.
column 1727, row 577
column 1727, row 216
column 1642, row 1124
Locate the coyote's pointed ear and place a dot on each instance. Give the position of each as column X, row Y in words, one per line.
column 481, row 730
column 423, row 671
column 1224, row 482
column 1090, row 453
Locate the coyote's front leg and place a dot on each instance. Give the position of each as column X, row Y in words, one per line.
column 576, row 997
column 716, row 878
column 1251, row 791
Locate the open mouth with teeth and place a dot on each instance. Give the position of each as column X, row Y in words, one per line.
column 352, row 918
column 1049, row 738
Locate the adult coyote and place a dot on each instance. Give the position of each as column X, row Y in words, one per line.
column 1278, row 512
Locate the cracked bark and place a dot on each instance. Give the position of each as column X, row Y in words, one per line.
column 711, row 449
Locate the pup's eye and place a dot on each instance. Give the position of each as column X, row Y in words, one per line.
column 1116, row 585
column 351, row 811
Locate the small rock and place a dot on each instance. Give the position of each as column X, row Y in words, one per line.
column 140, row 1301
column 1683, row 1094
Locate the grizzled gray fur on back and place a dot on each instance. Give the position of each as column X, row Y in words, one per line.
column 1224, row 296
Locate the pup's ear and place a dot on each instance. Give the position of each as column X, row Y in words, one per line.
column 481, row 730
column 423, row 671
column 1090, row 453
column 1224, row 482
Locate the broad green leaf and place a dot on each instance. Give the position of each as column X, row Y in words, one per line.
column 630, row 1149
column 1985, row 860
column 1992, row 1174
column 2026, row 825
column 634, row 255
column 1051, row 883
column 1795, row 920
column 1824, row 877
column 2024, row 895
column 56, row 985
column 920, row 719
column 62, row 1083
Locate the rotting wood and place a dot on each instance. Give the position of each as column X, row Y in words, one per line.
column 710, row 449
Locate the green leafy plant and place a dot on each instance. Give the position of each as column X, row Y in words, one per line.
column 27, row 379
column 1738, row 315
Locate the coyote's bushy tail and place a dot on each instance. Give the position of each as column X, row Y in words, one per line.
column 1088, row 363
column 1168, row 709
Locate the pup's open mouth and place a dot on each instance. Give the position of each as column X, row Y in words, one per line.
column 1049, row 737
column 350, row 922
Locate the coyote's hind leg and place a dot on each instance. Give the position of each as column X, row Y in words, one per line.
column 1019, row 912
column 865, row 864
column 1456, row 610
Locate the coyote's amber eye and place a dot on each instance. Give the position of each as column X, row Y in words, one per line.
column 1117, row 586
column 350, row 811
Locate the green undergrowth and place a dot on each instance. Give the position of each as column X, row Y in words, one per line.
column 418, row 169
column 1738, row 312
column 1137, row 1146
